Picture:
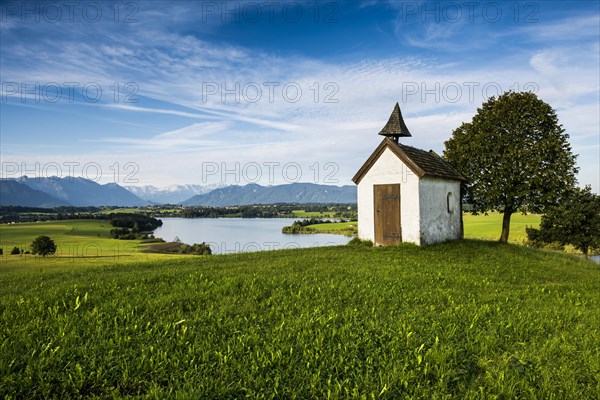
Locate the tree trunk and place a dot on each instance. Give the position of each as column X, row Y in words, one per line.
column 585, row 252
column 505, row 225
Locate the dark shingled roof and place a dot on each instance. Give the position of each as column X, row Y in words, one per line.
column 395, row 126
column 421, row 163
column 430, row 163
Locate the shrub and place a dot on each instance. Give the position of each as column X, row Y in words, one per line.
column 15, row 250
column 359, row 242
column 575, row 221
column 554, row 246
column 185, row 249
column 200, row 249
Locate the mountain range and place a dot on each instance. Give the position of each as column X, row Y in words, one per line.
column 69, row 191
column 288, row 193
column 13, row 193
column 81, row 192
column 173, row 194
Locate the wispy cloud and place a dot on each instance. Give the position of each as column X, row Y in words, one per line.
column 573, row 28
column 342, row 103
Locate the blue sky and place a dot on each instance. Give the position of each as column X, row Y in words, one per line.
column 160, row 93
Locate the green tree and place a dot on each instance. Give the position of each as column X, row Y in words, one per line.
column 576, row 221
column 15, row 250
column 516, row 156
column 43, row 246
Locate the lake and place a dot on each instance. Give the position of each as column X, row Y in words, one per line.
column 241, row 235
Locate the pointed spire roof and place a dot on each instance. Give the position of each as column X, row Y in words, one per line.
column 395, row 127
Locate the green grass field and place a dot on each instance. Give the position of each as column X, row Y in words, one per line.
column 347, row 228
column 489, row 227
column 467, row 320
column 77, row 241
column 75, row 231
column 470, row 320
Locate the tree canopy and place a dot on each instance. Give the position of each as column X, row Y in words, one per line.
column 43, row 246
column 515, row 155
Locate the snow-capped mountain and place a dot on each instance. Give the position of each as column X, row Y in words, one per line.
column 171, row 194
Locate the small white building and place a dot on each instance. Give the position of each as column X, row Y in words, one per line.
column 406, row 194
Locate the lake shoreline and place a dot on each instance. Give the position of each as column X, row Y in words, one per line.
column 239, row 235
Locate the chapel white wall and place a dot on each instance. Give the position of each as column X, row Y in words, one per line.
column 389, row 169
column 437, row 224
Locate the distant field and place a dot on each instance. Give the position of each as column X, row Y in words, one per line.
column 487, row 227
column 125, row 210
column 67, row 231
column 87, row 240
column 136, row 210
column 347, row 228
column 312, row 214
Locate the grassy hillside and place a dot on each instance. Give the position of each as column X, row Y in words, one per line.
column 465, row 320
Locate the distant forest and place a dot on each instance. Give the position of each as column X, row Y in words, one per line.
column 10, row 214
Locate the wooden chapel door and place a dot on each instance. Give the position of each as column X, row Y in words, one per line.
column 388, row 230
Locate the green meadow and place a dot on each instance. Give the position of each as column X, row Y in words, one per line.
column 344, row 228
column 472, row 319
column 489, row 227
column 83, row 238
column 78, row 242
column 486, row 227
